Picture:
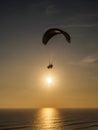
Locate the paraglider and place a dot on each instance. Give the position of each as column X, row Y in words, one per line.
column 52, row 32
column 50, row 66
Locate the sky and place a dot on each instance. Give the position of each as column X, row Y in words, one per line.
column 24, row 59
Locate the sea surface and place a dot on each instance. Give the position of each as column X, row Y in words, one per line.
column 49, row 119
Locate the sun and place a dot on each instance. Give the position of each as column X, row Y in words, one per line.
column 49, row 80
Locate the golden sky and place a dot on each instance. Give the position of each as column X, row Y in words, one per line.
column 23, row 57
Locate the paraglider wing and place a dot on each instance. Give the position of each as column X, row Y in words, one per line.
column 51, row 32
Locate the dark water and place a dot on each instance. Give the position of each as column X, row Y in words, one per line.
column 49, row 119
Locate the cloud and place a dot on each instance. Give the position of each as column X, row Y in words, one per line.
column 86, row 20
column 89, row 60
column 80, row 25
column 51, row 10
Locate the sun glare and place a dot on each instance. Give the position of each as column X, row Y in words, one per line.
column 49, row 80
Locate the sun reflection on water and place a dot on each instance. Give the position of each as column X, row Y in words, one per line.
column 47, row 118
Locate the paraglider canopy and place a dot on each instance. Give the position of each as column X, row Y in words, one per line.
column 52, row 32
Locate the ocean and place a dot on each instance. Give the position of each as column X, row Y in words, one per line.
column 49, row 119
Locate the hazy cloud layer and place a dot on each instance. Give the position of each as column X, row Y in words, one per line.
column 52, row 10
column 86, row 61
column 89, row 60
